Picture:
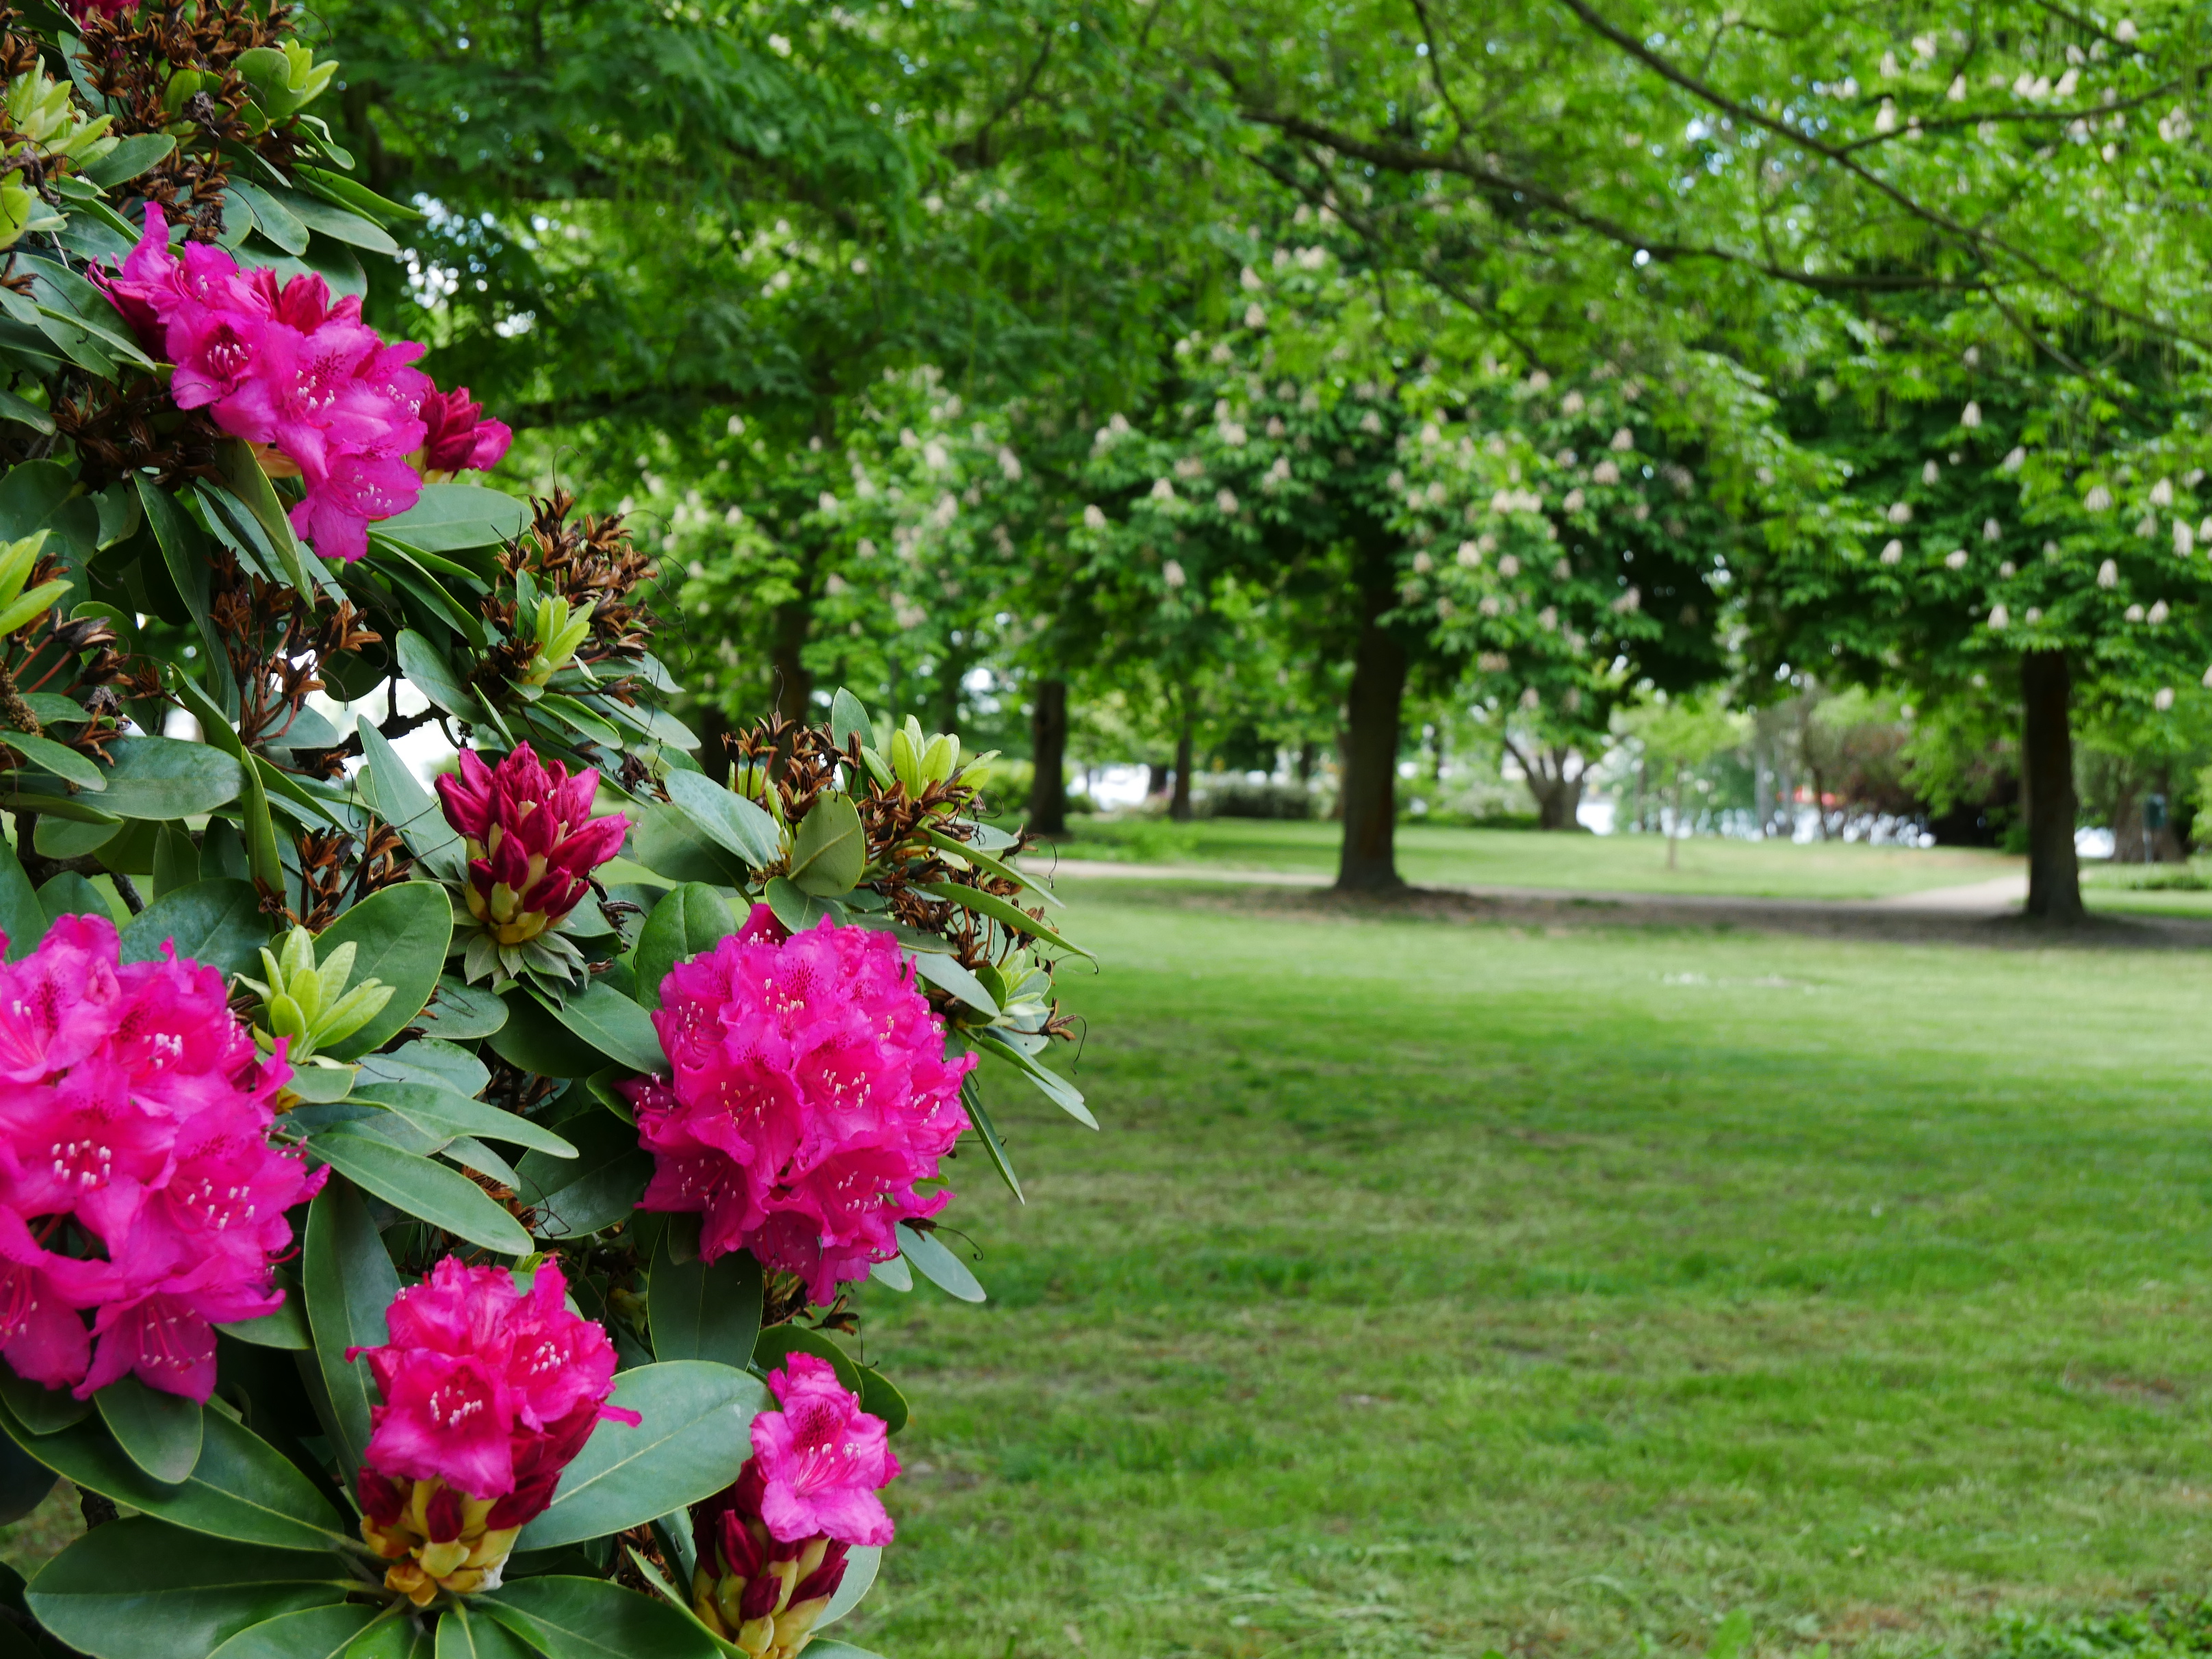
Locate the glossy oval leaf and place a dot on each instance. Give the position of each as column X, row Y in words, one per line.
column 311, row 1633
column 160, row 1432
column 592, row 1619
column 240, row 1488
column 703, row 1312
column 596, row 1188
column 218, row 922
column 614, row 1026
column 830, row 850
column 400, row 936
column 135, row 1588
column 688, row 918
column 939, row 1265
column 778, row 1342
column 469, row 1631
column 462, row 1013
column 731, row 821
column 167, row 778
column 427, row 1190
column 350, row 1281
column 450, row 518
column 694, row 1439
column 448, row 1116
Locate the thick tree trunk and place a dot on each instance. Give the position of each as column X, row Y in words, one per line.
column 1369, row 861
column 1179, row 802
column 2054, row 876
column 1049, row 745
column 1155, row 782
column 1309, row 754
column 1557, row 799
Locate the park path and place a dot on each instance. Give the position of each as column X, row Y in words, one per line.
column 1985, row 912
column 1981, row 898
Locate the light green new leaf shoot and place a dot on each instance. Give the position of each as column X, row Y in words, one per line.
column 308, row 1003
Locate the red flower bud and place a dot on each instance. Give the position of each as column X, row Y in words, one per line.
column 760, row 1597
column 742, row 1555
column 381, row 1499
column 823, row 1583
column 441, row 1516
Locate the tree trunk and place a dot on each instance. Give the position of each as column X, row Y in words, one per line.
column 1048, row 745
column 1308, row 753
column 1179, row 802
column 791, row 691
column 715, row 734
column 1369, row 861
column 1557, row 798
column 2054, row 876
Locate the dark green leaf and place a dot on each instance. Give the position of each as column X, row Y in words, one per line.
column 70, row 894
column 1056, row 1088
column 400, row 936
column 167, row 778
column 947, row 973
column 460, row 1013
column 350, row 1281
column 425, row 669
column 688, row 919
column 128, row 159
column 23, row 918
column 58, row 759
column 694, row 1439
column 612, row 1024
column 778, row 1342
column 830, row 849
column 470, row 1632
column 597, row 1188
column 448, row 517
column 138, row 1590
column 996, row 866
column 274, row 220
column 184, row 555
column 41, row 1410
column 315, row 1634
column 1002, row 911
column 338, row 223
column 403, row 802
column 428, row 1060
column 160, row 1432
column 241, row 1488
column 287, row 1328
column 176, row 860
column 538, row 1042
column 939, row 1265
column 24, row 1483
column 217, row 922
column 701, row 1312
column 667, row 843
column 848, row 719
column 880, row 1397
column 994, row 1144
column 578, row 719
column 442, row 1113
column 731, row 821
column 591, row 1618
column 347, row 193
column 800, row 912
column 444, row 1198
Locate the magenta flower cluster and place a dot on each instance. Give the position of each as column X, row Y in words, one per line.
column 533, row 841
column 289, row 368
column 773, row 1547
column 138, row 1182
column 809, row 1095
column 491, row 1389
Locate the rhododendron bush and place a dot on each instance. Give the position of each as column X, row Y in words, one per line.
column 434, row 1214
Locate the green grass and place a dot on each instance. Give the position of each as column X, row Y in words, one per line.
column 1511, row 858
column 1436, row 1288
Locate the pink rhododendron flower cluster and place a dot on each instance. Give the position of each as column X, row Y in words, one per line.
column 810, row 1094
column 290, row 368
column 533, row 841
column 137, row 1179
column 489, row 1392
column 773, row 1547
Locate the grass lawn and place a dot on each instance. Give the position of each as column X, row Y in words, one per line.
column 1514, row 858
column 1436, row 1288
